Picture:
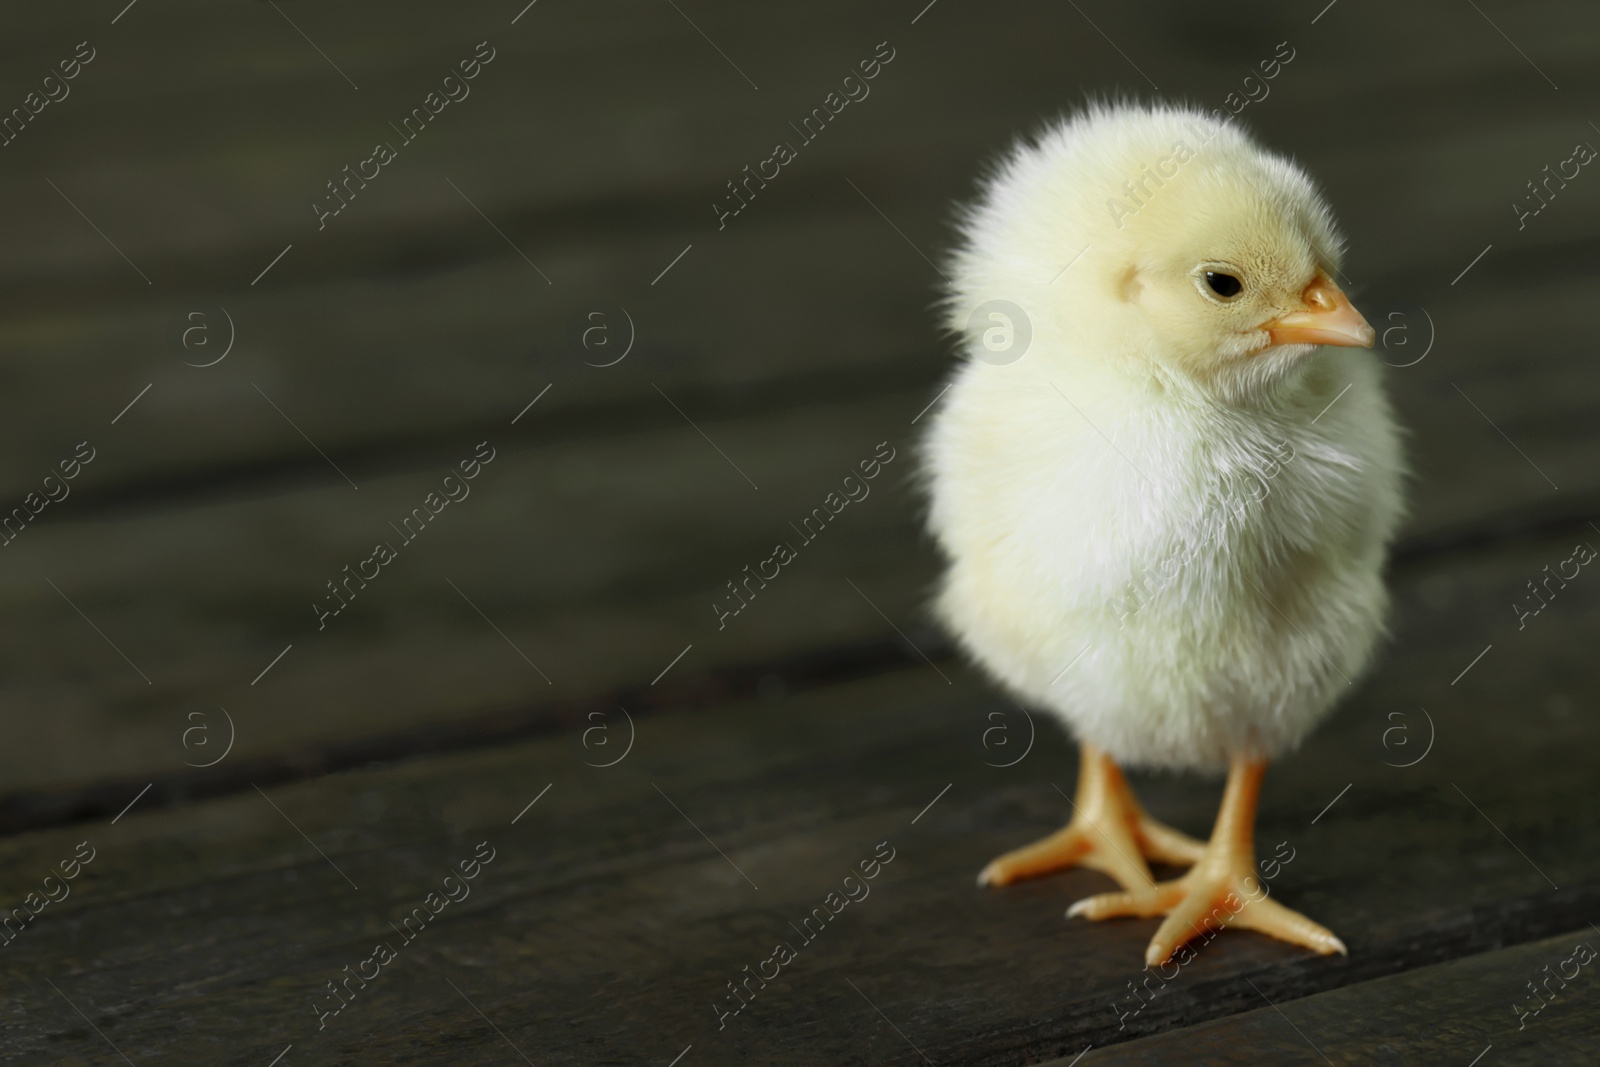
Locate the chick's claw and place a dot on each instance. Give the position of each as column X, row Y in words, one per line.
column 1146, row 903
column 1109, row 832
column 1110, row 849
column 1220, row 890
column 1269, row 917
column 1198, row 906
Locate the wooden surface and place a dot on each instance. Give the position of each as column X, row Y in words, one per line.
column 607, row 925
column 1445, row 1013
column 379, row 351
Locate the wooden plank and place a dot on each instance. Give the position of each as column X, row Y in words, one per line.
column 414, row 318
column 608, row 924
column 594, row 563
column 1464, row 1011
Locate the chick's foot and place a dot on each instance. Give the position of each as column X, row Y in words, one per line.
column 1221, row 889
column 1109, row 832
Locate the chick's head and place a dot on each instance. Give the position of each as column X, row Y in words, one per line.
column 1190, row 251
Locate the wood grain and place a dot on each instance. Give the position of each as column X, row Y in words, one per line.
column 1457, row 1012
column 608, row 925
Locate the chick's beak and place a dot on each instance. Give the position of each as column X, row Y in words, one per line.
column 1328, row 319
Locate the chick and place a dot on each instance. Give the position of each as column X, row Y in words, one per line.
column 1165, row 520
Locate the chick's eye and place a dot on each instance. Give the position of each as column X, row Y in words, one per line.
column 1224, row 285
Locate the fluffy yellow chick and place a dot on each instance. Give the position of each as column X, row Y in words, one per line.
column 1163, row 498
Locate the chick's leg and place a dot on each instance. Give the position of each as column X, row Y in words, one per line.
column 1109, row 831
column 1220, row 890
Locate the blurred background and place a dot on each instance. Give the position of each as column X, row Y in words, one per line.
column 257, row 368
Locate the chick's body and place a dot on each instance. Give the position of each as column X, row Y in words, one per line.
column 1164, row 480
column 1182, row 566
column 1196, row 582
